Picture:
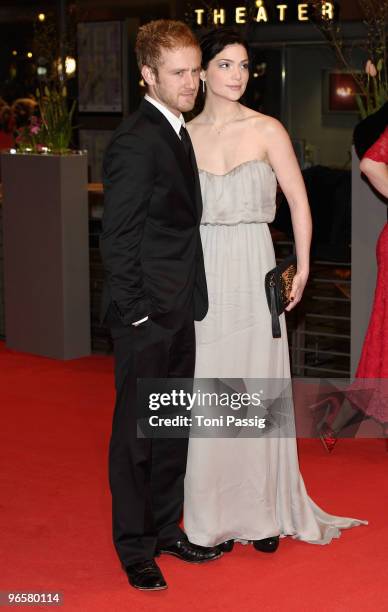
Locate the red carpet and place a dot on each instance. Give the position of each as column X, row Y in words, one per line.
column 55, row 511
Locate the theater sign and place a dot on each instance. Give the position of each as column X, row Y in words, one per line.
column 261, row 12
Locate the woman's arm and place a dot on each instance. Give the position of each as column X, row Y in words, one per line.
column 377, row 174
column 282, row 159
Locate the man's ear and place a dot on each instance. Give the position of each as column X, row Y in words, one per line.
column 148, row 75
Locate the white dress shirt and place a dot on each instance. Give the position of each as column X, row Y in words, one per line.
column 176, row 123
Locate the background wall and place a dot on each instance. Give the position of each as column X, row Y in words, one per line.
column 329, row 134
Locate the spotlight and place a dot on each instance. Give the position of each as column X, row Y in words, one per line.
column 70, row 65
column 14, row 52
column 41, row 16
column 29, row 55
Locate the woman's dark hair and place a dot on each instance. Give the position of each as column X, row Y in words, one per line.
column 216, row 40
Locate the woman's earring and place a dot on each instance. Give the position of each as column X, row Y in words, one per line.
column 203, row 86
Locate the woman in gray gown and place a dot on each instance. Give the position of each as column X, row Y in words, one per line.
column 245, row 489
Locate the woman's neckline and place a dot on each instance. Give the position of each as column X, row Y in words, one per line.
column 249, row 161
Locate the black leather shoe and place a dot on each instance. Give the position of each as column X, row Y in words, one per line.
column 226, row 546
column 185, row 550
column 268, row 545
column 146, row 576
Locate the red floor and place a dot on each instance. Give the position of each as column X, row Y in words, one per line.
column 55, row 511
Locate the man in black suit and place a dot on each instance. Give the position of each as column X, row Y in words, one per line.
column 155, row 288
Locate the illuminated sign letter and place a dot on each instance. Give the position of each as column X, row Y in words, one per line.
column 282, row 11
column 328, row 10
column 261, row 11
column 302, row 12
column 218, row 16
column 199, row 13
column 241, row 13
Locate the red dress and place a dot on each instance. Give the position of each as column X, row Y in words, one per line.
column 374, row 357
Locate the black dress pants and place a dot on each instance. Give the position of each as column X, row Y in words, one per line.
column 146, row 475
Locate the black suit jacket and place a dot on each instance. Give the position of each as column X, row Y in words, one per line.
column 150, row 242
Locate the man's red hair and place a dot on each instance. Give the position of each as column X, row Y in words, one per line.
column 161, row 34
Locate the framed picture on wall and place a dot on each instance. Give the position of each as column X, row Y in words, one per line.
column 339, row 91
column 99, row 47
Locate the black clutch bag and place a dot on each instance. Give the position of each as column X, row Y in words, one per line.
column 278, row 284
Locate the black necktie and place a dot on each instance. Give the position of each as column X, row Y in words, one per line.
column 188, row 147
column 185, row 139
column 189, row 151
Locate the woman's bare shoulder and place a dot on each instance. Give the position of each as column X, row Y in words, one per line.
column 265, row 123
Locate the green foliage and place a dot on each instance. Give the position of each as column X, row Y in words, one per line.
column 56, row 118
column 52, row 130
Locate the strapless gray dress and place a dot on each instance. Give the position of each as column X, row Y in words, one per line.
column 245, row 488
